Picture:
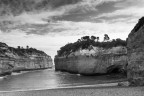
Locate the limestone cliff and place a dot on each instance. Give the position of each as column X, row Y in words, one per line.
column 136, row 54
column 20, row 59
column 92, row 61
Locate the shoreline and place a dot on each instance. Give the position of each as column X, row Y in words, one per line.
column 101, row 85
column 22, row 71
column 98, row 85
column 101, row 89
column 81, row 91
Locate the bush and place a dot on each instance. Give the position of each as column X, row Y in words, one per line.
column 85, row 42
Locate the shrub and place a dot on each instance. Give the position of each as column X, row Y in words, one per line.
column 85, row 42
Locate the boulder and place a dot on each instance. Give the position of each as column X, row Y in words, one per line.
column 123, row 83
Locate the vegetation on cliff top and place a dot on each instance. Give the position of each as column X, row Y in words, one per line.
column 20, row 51
column 28, row 51
column 86, row 41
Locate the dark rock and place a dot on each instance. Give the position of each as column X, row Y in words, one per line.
column 136, row 81
column 135, row 45
column 123, row 84
column 115, row 69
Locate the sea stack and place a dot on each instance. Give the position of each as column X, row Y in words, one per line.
column 135, row 46
column 89, row 57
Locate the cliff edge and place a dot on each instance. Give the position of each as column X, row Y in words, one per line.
column 135, row 47
column 89, row 57
column 20, row 59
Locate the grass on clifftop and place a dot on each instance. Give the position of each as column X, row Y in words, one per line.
column 20, row 51
column 86, row 41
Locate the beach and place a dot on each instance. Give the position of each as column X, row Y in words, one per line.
column 81, row 91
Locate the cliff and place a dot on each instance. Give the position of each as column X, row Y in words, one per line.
column 136, row 54
column 95, row 60
column 20, row 59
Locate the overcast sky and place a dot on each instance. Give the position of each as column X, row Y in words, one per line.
column 49, row 24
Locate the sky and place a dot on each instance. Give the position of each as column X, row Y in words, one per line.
column 50, row 24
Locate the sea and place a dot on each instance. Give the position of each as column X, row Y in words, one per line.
column 50, row 79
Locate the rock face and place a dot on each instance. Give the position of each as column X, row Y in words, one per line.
column 12, row 59
column 91, row 64
column 136, row 54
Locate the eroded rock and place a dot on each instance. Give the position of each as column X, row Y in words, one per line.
column 86, row 64
column 16, row 59
column 135, row 45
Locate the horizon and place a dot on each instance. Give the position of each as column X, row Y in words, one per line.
column 48, row 27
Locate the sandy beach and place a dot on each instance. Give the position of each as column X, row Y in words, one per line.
column 85, row 91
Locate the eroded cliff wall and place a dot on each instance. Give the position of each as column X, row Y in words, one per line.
column 136, row 54
column 30, row 59
column 42, row 62
column 90, row 64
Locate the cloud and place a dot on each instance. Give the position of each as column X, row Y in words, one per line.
column 69, row 28
column 127, row 14
column 45, row 15
column 86, row 5
column 132, row 11
column 130, row 3
column 37, row 18
column 127, row 9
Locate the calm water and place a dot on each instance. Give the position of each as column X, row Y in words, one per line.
column 47, row 79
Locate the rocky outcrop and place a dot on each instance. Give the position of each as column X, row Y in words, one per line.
column 91, row 62
column 20, row 59
column 136, row 54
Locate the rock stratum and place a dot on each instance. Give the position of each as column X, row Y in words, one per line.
column 135, row 47
column 93, row 62
column 20, row 59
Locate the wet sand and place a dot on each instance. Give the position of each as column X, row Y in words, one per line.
column 85, row 91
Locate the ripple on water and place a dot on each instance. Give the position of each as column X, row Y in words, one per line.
column 49, row 79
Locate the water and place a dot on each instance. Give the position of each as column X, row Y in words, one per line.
column 48, row 79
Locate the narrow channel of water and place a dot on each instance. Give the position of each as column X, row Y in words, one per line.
column 47, row 79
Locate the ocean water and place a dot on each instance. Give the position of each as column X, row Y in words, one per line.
column 49, row 79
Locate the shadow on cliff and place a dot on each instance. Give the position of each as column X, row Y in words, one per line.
column 117, row 69
column 112, row 70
